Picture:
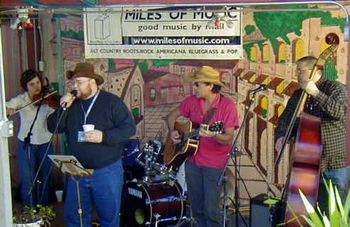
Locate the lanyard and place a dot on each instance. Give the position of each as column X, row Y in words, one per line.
column 86, row 114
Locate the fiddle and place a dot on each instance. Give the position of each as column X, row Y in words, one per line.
column 47, row 97
column 37, row 99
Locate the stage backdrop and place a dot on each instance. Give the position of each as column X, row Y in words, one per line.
column 271, row 44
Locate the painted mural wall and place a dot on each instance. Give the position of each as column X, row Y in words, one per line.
column 273, row 41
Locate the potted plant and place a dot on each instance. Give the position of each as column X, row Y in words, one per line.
column 337, row 212
column 33, row 217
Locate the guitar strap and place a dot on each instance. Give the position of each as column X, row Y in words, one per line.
column 210, row 113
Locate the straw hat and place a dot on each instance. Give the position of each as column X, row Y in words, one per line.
column 84, row 69
column 205, row 74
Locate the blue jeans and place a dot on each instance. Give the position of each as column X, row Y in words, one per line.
column 103, row 190
column 29, row 160
column 340, row 178
column 204, row 194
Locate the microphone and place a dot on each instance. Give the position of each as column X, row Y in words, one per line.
column 74, row 93
column 262, row 87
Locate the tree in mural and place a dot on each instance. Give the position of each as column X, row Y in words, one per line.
column 145, row 64
column 277, row 24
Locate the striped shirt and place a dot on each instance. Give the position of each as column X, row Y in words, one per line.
column 330, row 106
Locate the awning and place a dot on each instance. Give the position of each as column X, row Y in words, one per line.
column 274, row 83
column 291, row 87
column 238, row 72
column 261, row 79
column 274, row 118
column 258, row 110
column 248, row 75
column 87, row 3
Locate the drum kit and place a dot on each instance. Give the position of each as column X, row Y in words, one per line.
column 151, row 196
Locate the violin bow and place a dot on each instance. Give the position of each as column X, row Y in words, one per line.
column 34, row 102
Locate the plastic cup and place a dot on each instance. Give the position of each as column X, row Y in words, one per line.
column 59, row 195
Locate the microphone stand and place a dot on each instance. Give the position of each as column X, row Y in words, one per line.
column 27, row 149
column 47, row 150
column 223, row 180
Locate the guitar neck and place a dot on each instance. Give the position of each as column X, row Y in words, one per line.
column 192, row 134
column 217, row 127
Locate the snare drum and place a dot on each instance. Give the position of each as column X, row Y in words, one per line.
column 158, row 204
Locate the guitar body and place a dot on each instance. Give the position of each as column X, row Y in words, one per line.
column 305, row 169
column 175, row 155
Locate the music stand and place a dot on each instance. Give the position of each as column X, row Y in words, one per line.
column 70, row 166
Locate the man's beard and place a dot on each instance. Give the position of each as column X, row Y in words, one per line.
column 86, row 94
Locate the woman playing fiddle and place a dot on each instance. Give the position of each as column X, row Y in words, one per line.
column 33, row 138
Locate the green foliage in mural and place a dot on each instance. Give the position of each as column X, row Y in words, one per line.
column 143, row 64
column 274, row 24
column 329, row 70
column 249, row 29
column 73, row 35
column 111, row 65
column 136, row 112
column 90, row 2
column 160, row 63
column 265, row 113
column 248, row 46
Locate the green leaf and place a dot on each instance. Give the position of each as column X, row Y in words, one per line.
column 337, row 213
column 325, row 184
column 295, row 217
column 309, row 221
column 331, row 206
column 310, row 210
column 340, row 207
column 326, row 221
column 347, row 205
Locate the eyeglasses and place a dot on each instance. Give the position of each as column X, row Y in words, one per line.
column 199, row 83
column 80, row 82
column 300, row 70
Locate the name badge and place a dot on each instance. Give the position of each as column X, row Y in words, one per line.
column 81, row 136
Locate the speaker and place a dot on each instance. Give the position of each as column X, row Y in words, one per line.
column 265, row 211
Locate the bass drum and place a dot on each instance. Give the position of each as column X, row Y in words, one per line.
column 158, row 204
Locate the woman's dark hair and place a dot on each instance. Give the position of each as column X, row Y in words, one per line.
column 27, row 76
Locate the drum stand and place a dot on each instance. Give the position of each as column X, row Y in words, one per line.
column 72, row 167
column 153, row 171
column 187, row 220
column 184, row 219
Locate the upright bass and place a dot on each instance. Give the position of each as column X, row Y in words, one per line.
column 304, row 173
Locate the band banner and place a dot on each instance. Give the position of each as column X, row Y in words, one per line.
column 162, row 33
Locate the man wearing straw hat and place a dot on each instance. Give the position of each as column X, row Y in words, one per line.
column 203, row 170
column 97, row 147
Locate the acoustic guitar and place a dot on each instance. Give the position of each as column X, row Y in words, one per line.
column 176, row 154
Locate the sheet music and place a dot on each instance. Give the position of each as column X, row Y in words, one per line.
column 69, row 164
